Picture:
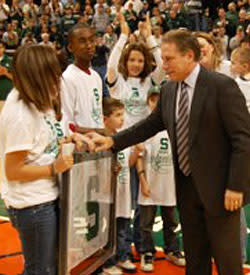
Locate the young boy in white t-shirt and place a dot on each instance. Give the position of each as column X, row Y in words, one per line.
column 113, row 110
column 157, row 187
column 240, row 66
column 240, row 60
column 81, row 85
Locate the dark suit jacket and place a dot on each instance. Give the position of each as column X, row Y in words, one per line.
column 219, row 137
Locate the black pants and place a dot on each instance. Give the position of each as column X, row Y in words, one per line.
column 206, row 236
column 147, row 214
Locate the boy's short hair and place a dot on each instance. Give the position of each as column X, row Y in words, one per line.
column 79, row 25
column 242, row 55
column 110, row 105
column 153, row 91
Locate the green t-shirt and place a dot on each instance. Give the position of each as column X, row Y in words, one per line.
column 5, row 83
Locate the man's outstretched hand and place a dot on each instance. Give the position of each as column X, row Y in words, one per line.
column 102, row 143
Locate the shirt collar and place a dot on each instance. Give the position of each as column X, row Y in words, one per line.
column 192, row 78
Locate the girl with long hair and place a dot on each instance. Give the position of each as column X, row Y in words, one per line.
column 31, row 130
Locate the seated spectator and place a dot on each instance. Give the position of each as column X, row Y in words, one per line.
column 110, row 15
column 68, row 20
column 131, row 17
column 45, row 39
column 137, row 6
column 206, row 21
column 76, row 11
column 144, row 11
column 10, row 38
column 157, row 18
column 5, row 73
column 194, row 11
column 56, row 7
column 219, row 32
column 29, row 26
column 16, row 27
column 174, row 22
column 157, row 32
column 31, row 8
column 232, row 15
column 28, row 39
column 16, row 11
column 100, row 3
column 55, row 34
column 100, row 20
column 235, row 41
column 89, row 12
column 243, row 21
column 110, row 38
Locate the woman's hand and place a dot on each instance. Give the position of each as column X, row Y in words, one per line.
column 124, row 25
column 62, row 163
column 82, row 142
column 147, row 29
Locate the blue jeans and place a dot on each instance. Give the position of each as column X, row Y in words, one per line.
column 123, row 247
column 243, row 235
column 134, row 234
column 38, row 231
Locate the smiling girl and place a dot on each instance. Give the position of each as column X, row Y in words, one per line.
column 130, row 72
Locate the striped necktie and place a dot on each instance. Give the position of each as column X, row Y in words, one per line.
column 182, row 131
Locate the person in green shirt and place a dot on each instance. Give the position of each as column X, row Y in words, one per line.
column 5, row 73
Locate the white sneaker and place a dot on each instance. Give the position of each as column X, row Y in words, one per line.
column 112, row 270
column 147, row 264
column 176, row 258
column 127, row 266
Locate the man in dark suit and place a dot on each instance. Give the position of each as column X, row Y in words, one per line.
column 209, row 127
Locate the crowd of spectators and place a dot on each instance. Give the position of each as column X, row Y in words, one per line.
column 48, row 22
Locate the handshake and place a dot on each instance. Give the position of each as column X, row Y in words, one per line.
column 96, row 142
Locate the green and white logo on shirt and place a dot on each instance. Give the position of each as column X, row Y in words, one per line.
column 122, row 176
column 135, row 105
column 162, row 159
column 55, row 134
column 96, row 113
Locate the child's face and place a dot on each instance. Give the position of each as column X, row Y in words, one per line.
column 83, row 44
column 115, row 120
column 135, row 63
column 237, row 67
column 152, row 101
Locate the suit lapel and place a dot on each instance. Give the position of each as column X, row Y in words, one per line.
column 199, row 96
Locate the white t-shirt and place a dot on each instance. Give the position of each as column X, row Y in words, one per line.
column 245, row 88
column 82, row 97
column 159, row 172
column 123, row 196
column 27, row 129
column 133, row 93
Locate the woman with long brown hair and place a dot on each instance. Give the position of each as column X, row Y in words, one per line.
column 31, row 129
column 212, row 54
